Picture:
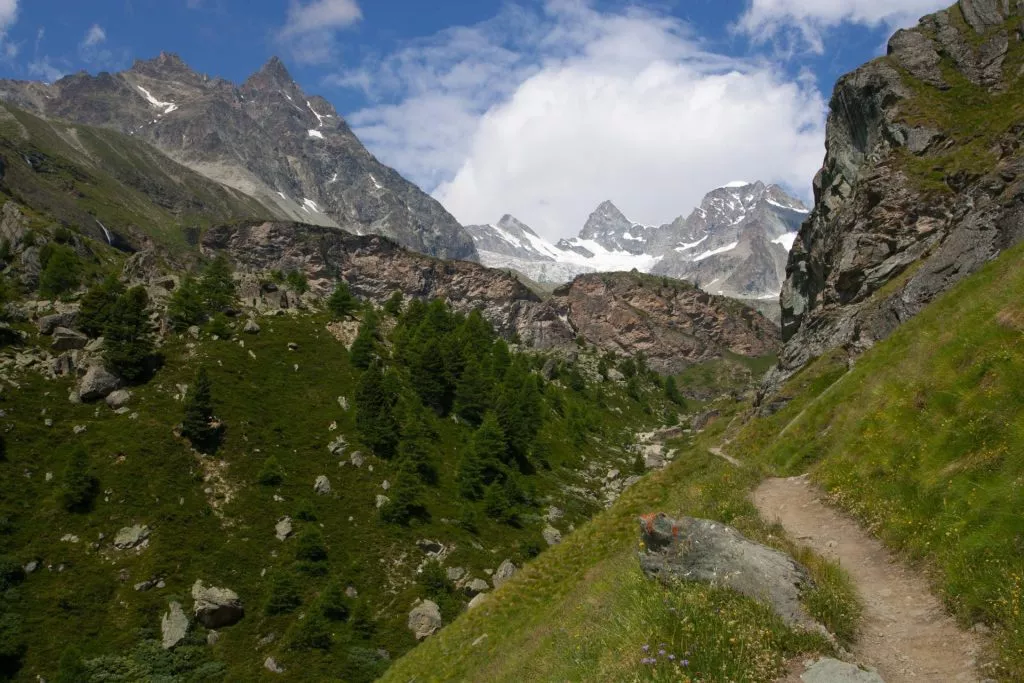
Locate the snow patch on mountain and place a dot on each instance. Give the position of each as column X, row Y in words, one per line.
column 167, row 107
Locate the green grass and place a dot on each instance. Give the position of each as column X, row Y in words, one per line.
column 923, row 441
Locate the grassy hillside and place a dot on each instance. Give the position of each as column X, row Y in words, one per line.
column 922, row 439
column 77, row 174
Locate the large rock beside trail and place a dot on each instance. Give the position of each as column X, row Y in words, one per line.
column 97, row 383
column 688, row 549
column 216, row 607
column 425, row 619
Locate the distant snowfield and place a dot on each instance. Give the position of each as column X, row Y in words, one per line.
column 167, row 107
column 787, row 240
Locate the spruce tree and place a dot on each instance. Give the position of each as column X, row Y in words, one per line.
column 672, row 391
column 128, row 336
column 217, row 285
column 406, row 497
column 393, row 306
column 364, row 348
column 472, row 393
column 187, row 306
column 334, row 603
column 481, row 462
column 197, row 425
column 342, row 304
column 375, row 401
column 97, row 306
column 61, row 271
column 428, row 375
column 79, row 486
column 416, row 448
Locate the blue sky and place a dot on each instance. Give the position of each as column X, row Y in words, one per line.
column 541, row 108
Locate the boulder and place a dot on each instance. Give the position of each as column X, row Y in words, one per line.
column 65, row 339
column 455, row 573
column 216, row 607
column 432, row 548
column 425, row 619
column 271, row 665
column 476, row 587
column 322, row 486
column 701, row 550
column 552, row 535
column 382, row 501
column 828, row 670
column 356, row 459
column 505, row 572
column 338, row 446
column 173, row 626
column 476, row 601
column 131, row 537
column 283, row 529
column 47, row 324
column 119, row 399
column 97, row 383
column 251, row 327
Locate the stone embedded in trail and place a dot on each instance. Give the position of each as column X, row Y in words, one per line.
column 425, row 619
column 688, row 549
column 828, row 670
column 216, row 607
column 173, row 626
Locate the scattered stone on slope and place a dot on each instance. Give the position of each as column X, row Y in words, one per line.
column 97, row 383
column 173, row 626
column 382, row 501
column 322, row 486
column 216, row 607
column 455, row 573
column 132, row 537
column 65, row 339
column 119, row 399
column 47, row 324
column 251, row 327
column 476, row 586
column 505, row 572
column 552, row 535
column 271, row 665
column 701, row 550
column 425, row 619
column 338, row 446
column 283, row 529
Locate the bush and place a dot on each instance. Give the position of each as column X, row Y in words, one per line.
column 306, row 511
column 72, row 669
column 433, row 579
column 297, row 282
column 198, row 424
column 285, row 596
column 312, row 633
column 334, row 603
column 220, row 327
column 342, row 304
column 11, row 572
column 186, row 307
column 79, row 486
column 271, row 473
column 61, row 272
column 128, row 342
column 12, row 644
column 311, row 547
column 98, row 304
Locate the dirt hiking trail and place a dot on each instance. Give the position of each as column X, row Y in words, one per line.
column 905, row 634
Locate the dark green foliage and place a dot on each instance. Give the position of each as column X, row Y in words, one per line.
column 393, row 306
column 128, row 336
column 375, row 402
column 574, row 380
column 472, row 393
column 362, row 622
column 98, row 304
column 72, row 669
column 3, row 448
column 306, row 511
column 342, row 304
column 519, row 409
column 434, row 581
column 217, row 285
column 481, row 463
column 672, row 391
column 311, row 546
column 365, row 347
column 334, row 603
column 362, row 665
column 628, row 368
column 220, row 327
column 406, row 497
column 639, row 464
column 271, row 473
column 61, row 270
column 498, row 505
column 11, row 572
column 297, row 281
column 12, row 644
column 416, row 449
column 285, row 594
column 198, row 424
column 633, row 388
column 187, row 306
column 79, row 486
column 312, row 633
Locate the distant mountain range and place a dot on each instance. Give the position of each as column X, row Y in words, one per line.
column 735, row 244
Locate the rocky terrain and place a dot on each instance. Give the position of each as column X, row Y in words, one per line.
column 921, row 183
column 735, row 244
column 268, row 140
column 673, row 324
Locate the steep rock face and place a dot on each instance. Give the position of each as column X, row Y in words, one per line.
column 376, row 267
column 672, row 323
column 921, row 185
column 266, row 138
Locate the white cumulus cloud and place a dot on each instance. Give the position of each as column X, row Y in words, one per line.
column 768, row 19
column 310, row 29
column 545, row 115
column 94, row 36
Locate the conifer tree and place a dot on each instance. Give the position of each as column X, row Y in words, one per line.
column 61, row 271
column 406, row 494
column 393, row 306
column 364, row 348
column 218, row 286
column 187, row 306
column 472, row 393
column 334, row 603
column 98, row 304
column 342, row 304
column 416, row 448
column 481, row 462
column 128, row 336
column 198, row 424
column 375, row 401
column 79, row 486
column 672, row 391
column 428, row 375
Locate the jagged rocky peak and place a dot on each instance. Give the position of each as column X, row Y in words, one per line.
column 510, row 222
column 606, row 220
column 272, row 76
column 906, row 202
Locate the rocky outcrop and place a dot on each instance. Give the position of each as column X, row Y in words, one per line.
column 690, row 549
column 265, row 139
column 914, row 194
column 672, row 323
column 216, row 607
column 97, row 383
column 425, row 619
column 173, row 626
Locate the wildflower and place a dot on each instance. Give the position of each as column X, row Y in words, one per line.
column 648, row 660
column 671, row 658
column 646, row 648
column 685, row 662
column 661, row 652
